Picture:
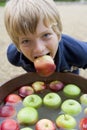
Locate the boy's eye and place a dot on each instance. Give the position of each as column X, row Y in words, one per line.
column 46, row 35
column 25, row 41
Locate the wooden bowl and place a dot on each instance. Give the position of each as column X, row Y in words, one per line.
column 28, row 78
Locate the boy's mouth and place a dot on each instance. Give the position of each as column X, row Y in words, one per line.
column 41, row 55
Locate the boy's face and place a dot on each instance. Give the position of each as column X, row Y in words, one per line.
column 43, row 42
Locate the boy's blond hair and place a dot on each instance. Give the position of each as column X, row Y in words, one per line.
column 22, row 17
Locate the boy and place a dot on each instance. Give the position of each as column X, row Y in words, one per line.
column 35, row 28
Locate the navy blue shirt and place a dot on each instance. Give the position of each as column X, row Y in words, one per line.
column 71, row 55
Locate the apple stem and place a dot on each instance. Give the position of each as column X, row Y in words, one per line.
column 65, row 117
column 32, row 99
column 46, row 125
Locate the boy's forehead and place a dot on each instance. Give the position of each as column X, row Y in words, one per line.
column 42, row 27
column 40, row 30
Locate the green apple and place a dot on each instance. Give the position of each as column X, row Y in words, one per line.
column 85, row 110
column 27, row 115
column 26, row 128
column 83, row 99
column 52, row 100
column 71, row 107
column 32, row 101
column 71, row 90
column 66, row 121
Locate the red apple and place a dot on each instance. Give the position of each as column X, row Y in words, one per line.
column 45, row 124
column 13, row 98
column 56, row 85
column 26, row 91
column 39, row 86
column 44, row 65
column 9, row 124
column 7, row 111
column 83, row 124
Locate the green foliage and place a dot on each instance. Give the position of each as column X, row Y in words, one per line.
column 2, row 3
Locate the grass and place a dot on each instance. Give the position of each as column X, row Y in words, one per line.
column 2, row 4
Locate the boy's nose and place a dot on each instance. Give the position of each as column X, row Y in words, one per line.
column 39, row 49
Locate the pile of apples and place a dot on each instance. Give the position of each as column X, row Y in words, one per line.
column 28, row 115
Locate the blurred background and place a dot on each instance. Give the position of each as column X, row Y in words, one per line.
column 54, row 0
column 74, row 19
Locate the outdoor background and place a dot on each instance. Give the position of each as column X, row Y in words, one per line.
column 74, row 19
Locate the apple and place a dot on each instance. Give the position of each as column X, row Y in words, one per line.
column 66, row 121
column 71, row 90
column 45, row 124
column 38, row 86
column 71, row 107
column 32, row 101
column 85, row 110
column 52, row 100
column 25, row 91
column 44, row 65
column 26, row 128
column 83, row 99
column 83, row 123
column 7, row 111
column 13, row 98
column 56, row 85
column 27, row 115
column 9, row 124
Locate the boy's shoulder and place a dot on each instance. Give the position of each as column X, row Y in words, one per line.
column 13, row 54
column 69, row 41
column 68, row 38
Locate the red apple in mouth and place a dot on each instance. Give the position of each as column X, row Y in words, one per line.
column 44, row 65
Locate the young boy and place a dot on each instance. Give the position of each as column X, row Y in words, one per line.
column 35, row 28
